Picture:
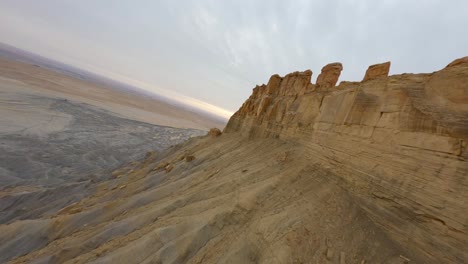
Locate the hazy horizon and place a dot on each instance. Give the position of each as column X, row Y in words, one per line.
column 210, row 54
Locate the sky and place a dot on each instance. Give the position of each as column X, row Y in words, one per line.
column 210, row 54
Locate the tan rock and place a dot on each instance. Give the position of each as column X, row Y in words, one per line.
column 342, row 258
column 418, row 120
column 161, row 165
column 189, row 158
column 273, row 84
column 329, row 75
column 215, row 132
column 295, row 83
column 377, row 71
column 169, row 168
column 459, row 61
column 329, row 254
column 264, row 103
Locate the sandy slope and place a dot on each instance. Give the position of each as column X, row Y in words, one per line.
column 228, row 205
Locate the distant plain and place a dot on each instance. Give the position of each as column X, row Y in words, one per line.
column 62, row 134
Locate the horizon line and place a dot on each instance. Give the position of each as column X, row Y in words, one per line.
column 161, row 92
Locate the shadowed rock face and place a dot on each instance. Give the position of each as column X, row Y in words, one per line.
column 366, row 172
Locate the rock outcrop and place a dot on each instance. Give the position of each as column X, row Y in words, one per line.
column 366, row 172
column 458, row 61
column 214, row 132
column 377, row 71
column 399, row 143
column 329, row 75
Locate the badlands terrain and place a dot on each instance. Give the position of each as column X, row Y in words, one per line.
column 59, row 134
column 363, row 172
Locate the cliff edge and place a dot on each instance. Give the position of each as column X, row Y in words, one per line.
column 399, row 142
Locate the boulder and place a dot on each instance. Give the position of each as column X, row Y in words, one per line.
column 214, row 132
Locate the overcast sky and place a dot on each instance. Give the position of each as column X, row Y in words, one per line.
column 214, row 52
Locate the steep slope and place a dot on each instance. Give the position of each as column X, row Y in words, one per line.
column 368, row 172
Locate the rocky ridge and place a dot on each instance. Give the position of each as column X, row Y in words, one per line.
column 398, row 142
column 363, row 172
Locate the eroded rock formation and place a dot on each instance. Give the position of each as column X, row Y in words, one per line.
column 214, row 132
column 375, row 71
column 398, row 142
column 366, row 172
column 329, row 75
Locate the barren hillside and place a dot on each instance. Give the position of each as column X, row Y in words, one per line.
column 363, row 172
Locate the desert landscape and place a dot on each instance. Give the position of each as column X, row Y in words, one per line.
column 363, row 172
column 233, row 132
column 60, row 135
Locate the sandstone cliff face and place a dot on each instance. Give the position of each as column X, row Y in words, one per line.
column 399, row 143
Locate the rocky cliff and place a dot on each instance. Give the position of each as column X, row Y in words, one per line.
column 398, row 142
column 363, row 172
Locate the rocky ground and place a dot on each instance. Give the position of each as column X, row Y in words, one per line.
column 227, row 205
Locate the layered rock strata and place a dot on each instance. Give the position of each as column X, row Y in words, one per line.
column 399, row 143
column 363, row 172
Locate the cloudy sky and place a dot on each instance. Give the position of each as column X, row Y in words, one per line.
column 212, row 53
